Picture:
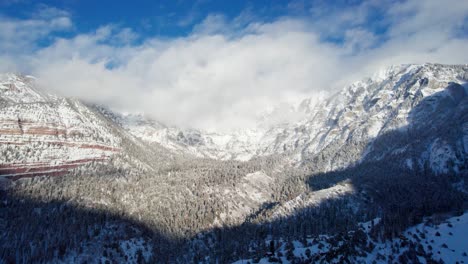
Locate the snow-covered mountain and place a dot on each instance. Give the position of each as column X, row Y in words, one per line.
column 398, row 98
column 351, row 118
column 415, row 112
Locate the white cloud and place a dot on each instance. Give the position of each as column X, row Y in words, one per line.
column 413, row 17
column 224, row 72
column 333, row 21
column 17, row 34
column 202, row 80
column 19, row 37
column 358, row 39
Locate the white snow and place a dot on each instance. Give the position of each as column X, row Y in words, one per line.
column 305, row 200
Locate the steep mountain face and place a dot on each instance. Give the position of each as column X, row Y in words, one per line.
column 45, row 134
column 392, row 146
column 400, row 100
column 41, row 134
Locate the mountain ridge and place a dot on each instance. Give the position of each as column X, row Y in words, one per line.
column 375, row 103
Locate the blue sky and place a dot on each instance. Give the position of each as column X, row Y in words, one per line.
column 168, row 18
column 178, row 18
column 218, row 64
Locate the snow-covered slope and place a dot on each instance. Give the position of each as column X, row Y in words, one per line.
column 312, row 199
column 429, row 242
column 45, row 134
column 367, row 110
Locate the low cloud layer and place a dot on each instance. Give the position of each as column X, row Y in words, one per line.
column 226, row 71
